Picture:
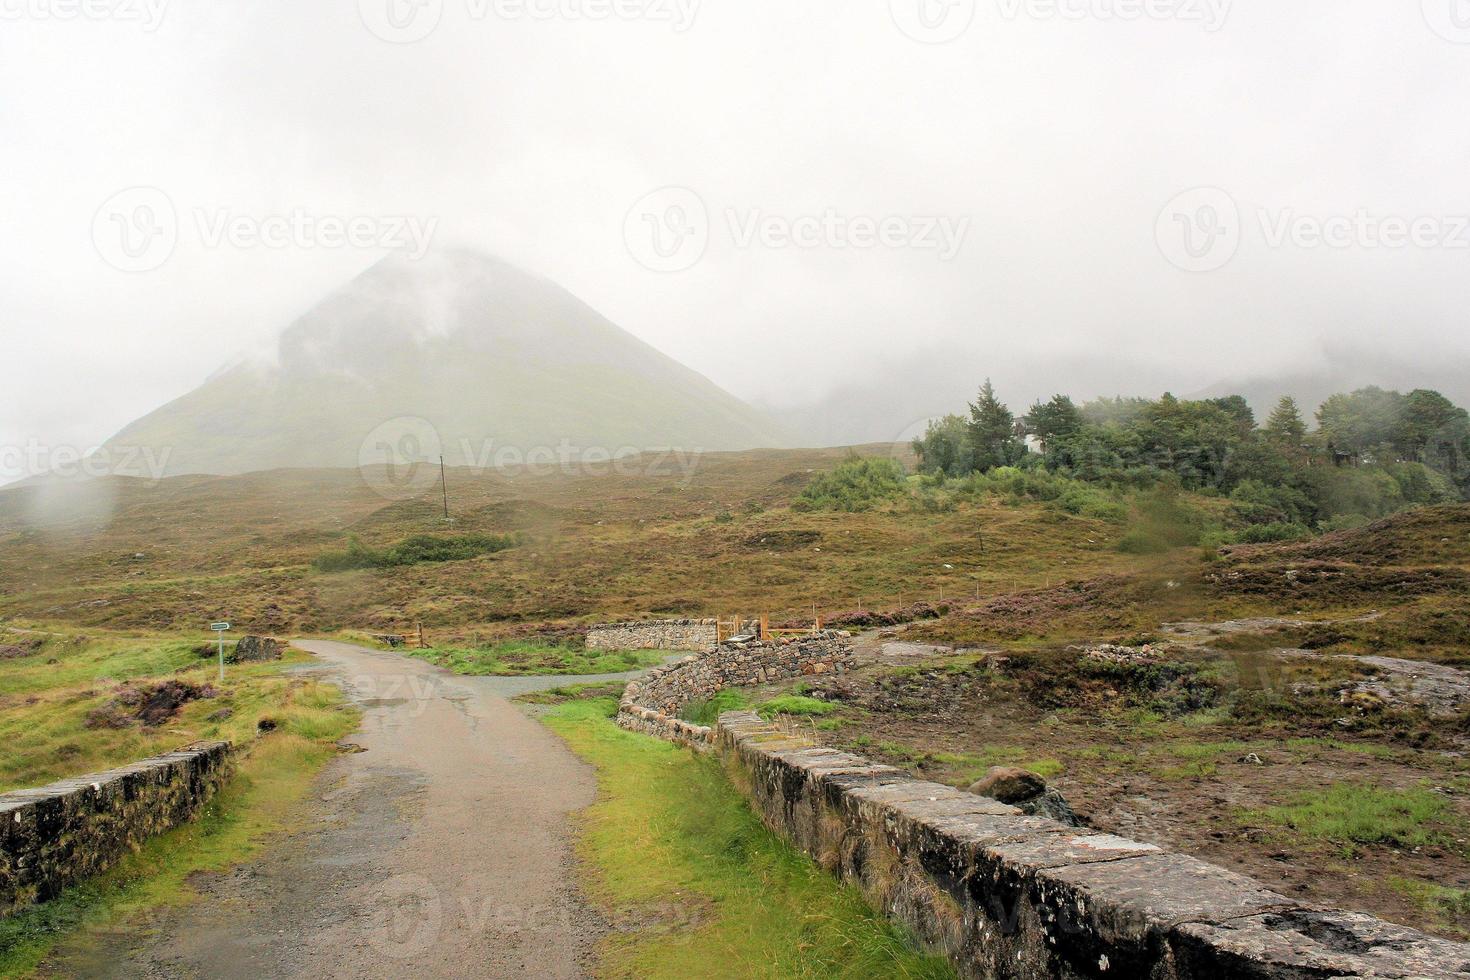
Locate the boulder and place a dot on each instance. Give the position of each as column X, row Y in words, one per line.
column 254, row 649
column 1009, row 785
column 1052, row 805
column 1027, row 792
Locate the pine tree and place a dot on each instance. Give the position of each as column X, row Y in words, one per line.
column 1059, row 417
column 1285, row 427
column 993, row 431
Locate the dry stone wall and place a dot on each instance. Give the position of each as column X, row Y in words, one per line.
column 60, row 834
column 663, row 634
column 652, row 703
column 1005, row 895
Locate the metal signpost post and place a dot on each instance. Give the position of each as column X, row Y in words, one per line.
column 219, row 629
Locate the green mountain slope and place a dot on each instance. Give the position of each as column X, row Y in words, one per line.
column 493, row 360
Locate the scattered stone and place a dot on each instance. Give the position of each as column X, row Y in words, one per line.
column 1109, row 653
column 1251, row 759
column 349, row 748
column 222, row 714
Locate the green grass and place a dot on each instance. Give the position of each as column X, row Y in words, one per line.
column 698, row 886
column 1448, row 906
column 45, row 741
column 795, row 704
column 44, row 706
column 522, row 658
column 573, row 692
column 1348, row 815
column 708, row 711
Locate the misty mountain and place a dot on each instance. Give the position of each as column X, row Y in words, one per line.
column 923, row 385
column 489, row 357
column 1342, row 371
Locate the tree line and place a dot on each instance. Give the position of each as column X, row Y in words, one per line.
column 1371, row 451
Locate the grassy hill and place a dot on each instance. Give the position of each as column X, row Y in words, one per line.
column 575, row 546
column 722, row 539
column 462, row 354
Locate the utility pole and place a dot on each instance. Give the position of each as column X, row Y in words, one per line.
column 444, row 485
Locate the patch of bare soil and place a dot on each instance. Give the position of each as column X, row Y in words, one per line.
column 1180, row 750
column 147, row 704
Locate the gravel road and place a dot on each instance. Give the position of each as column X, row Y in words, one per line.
column 443, row 850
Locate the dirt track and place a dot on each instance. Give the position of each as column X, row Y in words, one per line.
column 444, row 850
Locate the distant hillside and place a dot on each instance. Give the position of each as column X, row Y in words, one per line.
column 1343, row 371
column 489, row 356
column 911, row 388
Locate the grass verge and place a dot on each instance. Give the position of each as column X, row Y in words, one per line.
column 44, row 726
column 520, row 658
column 699, row 885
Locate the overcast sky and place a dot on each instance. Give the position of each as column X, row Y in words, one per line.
column 996, row 181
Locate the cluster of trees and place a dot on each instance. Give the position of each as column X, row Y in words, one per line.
column 1371, row 452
